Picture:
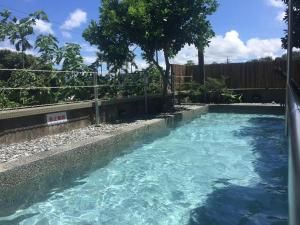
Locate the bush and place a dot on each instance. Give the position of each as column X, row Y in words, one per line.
column 111, row 86
column 214, row 91
column 27, row 97
column 6, row 103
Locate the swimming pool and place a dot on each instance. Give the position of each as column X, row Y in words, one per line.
column 218, row 169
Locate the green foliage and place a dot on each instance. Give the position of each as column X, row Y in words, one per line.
column 296, row 55
column 27, row 80
column 72, row 59
column 153, row 25
column 190, row 63
column 134, row 84
column 295, row 26
column 113, row 46
column 21, row 29
column 264, row 59
column 12, row 60
column 154, row 79
column 5, row 102
column 131, row 84
column 112, row 86
column 213, row 91
column 18, row 32
column 4, row 25
column 78, row 94
column 47, row 46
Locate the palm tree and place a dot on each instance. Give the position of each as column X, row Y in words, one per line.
column 22, row 29
column 48, row 48
column 4, row 25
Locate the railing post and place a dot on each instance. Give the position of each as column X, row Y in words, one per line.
column 146, row 91
column 289, row 60
column 95, row 75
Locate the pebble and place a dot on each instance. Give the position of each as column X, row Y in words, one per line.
column 14, row 151
column 9, row 152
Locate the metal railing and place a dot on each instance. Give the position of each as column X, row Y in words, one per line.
column 94, row 85
column 293, row 117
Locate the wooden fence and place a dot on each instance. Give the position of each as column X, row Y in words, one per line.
column 248, row 75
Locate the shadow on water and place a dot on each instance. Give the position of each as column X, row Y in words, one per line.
column 17, row 220
column 262, row 204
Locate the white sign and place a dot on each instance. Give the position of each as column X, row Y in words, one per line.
column 57, row 118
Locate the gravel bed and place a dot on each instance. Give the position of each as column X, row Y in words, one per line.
column 10, row 152
column 14, row 151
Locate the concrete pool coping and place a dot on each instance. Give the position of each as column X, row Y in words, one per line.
column 163, row 122
column 22, row 180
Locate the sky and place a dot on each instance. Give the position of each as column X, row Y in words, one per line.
column 244, row 29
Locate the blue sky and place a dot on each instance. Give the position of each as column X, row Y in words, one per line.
column 244, row 29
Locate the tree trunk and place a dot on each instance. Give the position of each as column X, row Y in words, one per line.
column 165, row 78
column 201, row 77
column 23, row 59
column 166, row 74
column 23, row 53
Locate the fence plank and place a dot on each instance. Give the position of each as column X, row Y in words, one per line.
column 242, row 75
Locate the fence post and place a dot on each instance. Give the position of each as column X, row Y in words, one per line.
column 95, row 75
column 146, row 92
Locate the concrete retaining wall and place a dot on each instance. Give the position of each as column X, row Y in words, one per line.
column 27, row 124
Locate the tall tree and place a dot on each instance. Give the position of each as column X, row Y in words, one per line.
column 203, row 42
column 71, row 56
column 4, row 24
column 48, row 48
column 295, row 25
column 153, row 25
column 12, row 60
column 73, row 61
column 22, row 29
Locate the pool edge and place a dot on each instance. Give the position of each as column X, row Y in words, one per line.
column 21, row 179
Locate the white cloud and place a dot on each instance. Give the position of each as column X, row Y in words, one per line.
column 276, row 3
column 8, row 46
column 75, row 20
column 141, row 64
column 189, row 52
column 88, row 48
column 89, row 59
column 232, row 47
column 280, row 16
column 258, row 48
column 279, row 5
column 66, row 34
column 43, row 27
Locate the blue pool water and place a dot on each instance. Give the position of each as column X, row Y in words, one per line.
column 222, row 169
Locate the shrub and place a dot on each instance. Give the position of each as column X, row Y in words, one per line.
column 213, row 91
